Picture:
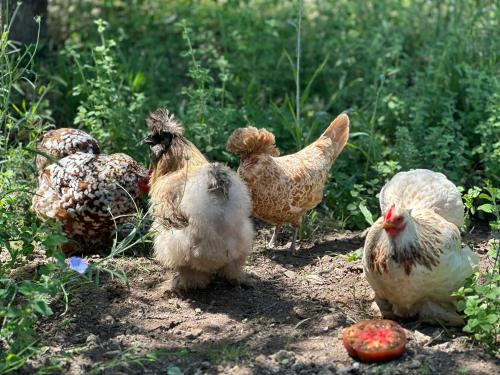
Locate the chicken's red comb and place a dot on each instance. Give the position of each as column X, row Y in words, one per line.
column 388, row 214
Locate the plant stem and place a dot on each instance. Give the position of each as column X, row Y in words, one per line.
column 297, row 70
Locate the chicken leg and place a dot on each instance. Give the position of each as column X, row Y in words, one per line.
column 293, row 247
column 272, row 242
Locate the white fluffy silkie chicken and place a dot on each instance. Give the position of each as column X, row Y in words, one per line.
column 201, row 210
column 413, row 256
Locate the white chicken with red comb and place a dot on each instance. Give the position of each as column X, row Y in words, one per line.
column 413, row 256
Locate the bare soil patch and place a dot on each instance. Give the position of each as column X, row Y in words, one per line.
column 288, row 321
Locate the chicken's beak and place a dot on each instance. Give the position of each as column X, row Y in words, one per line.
column 148, row 141
column 388, row 225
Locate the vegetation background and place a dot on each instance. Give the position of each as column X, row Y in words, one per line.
column 419, row 80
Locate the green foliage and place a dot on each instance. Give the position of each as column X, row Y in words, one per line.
column 310, row 224
column 419, row 81
column 222, row 353
column 23, row 108
column 355, row 255
column 470, row 207
column 480, row 297
column 488, row 151
column 208, row 114
column 125, row 360
column 355, row 200
column 111, row 104
column 481, row 307
column 33, row 273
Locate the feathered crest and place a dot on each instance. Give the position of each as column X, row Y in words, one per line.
column 161, row 120
column 250, row 140
column 169, row 150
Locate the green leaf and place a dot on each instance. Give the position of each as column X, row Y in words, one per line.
column 355, row 255
column 54, row 240
column 138, row 81
column 11, row 357
column 366, row 213
column 486, row 208
column 28, row 288
column 486, row 196
column 492, row 318
column 41, row 307
column 473, row 323
column 174, row 370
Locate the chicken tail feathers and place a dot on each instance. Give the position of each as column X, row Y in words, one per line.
column 338, row 132
column 252, row 141
column 219, row 180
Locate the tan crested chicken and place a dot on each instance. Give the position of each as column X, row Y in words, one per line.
column 284, row 188
column 86, row 191
column 413, row 256
column 201, row 210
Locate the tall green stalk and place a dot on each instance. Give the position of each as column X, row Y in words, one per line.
column 297, row 70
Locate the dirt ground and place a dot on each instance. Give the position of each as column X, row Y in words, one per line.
column 287, row 322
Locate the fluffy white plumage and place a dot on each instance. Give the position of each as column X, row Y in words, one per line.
column 218, row 234
column 201, row 210
column 413, row 256
column 422, row 188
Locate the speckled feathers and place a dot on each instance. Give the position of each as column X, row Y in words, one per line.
column 62, row 142
column 284, row 188
column 85, row 190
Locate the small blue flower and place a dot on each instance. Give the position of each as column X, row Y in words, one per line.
column 78, row 264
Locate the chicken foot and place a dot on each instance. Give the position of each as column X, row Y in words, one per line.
column 293, row 247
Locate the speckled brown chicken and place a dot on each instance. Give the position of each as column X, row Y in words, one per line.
column 284, row 188
column 86, row 192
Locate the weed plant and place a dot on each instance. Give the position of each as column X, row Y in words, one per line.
column 480, row 297
column 23, row 109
